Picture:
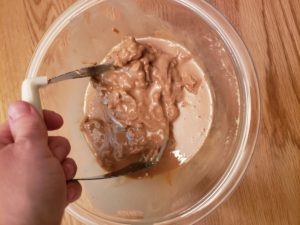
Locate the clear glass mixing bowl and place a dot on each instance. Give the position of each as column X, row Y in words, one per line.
column 83, row 35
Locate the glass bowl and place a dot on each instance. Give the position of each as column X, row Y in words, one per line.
column 84, row 34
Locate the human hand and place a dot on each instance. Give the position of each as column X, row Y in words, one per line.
column 34, row 169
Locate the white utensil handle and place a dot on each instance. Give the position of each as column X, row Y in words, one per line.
column 30, row 91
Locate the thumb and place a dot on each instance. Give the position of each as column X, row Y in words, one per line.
column 26, row 124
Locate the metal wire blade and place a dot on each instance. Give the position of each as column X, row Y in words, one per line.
column 81, row 73
column 138, row 166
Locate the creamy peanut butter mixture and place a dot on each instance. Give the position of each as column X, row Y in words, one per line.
column 137, row 102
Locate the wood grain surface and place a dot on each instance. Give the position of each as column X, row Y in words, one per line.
column 269, row 194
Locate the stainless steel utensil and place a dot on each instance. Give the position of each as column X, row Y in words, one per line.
column 30, row 93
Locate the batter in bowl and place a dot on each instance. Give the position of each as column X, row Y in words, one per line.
column 129, row 108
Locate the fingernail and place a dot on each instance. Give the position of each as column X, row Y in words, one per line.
column 18, row 109
column 71, row 195
column 70, row 170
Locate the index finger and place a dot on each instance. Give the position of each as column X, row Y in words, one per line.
column 52, row 120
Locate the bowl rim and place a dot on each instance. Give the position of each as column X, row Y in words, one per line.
column 232, row 176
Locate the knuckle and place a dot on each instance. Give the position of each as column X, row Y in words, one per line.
column 26, row 144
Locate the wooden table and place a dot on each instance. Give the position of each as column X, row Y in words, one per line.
column 269, row 194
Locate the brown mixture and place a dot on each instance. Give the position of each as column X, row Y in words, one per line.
column 139, row 102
